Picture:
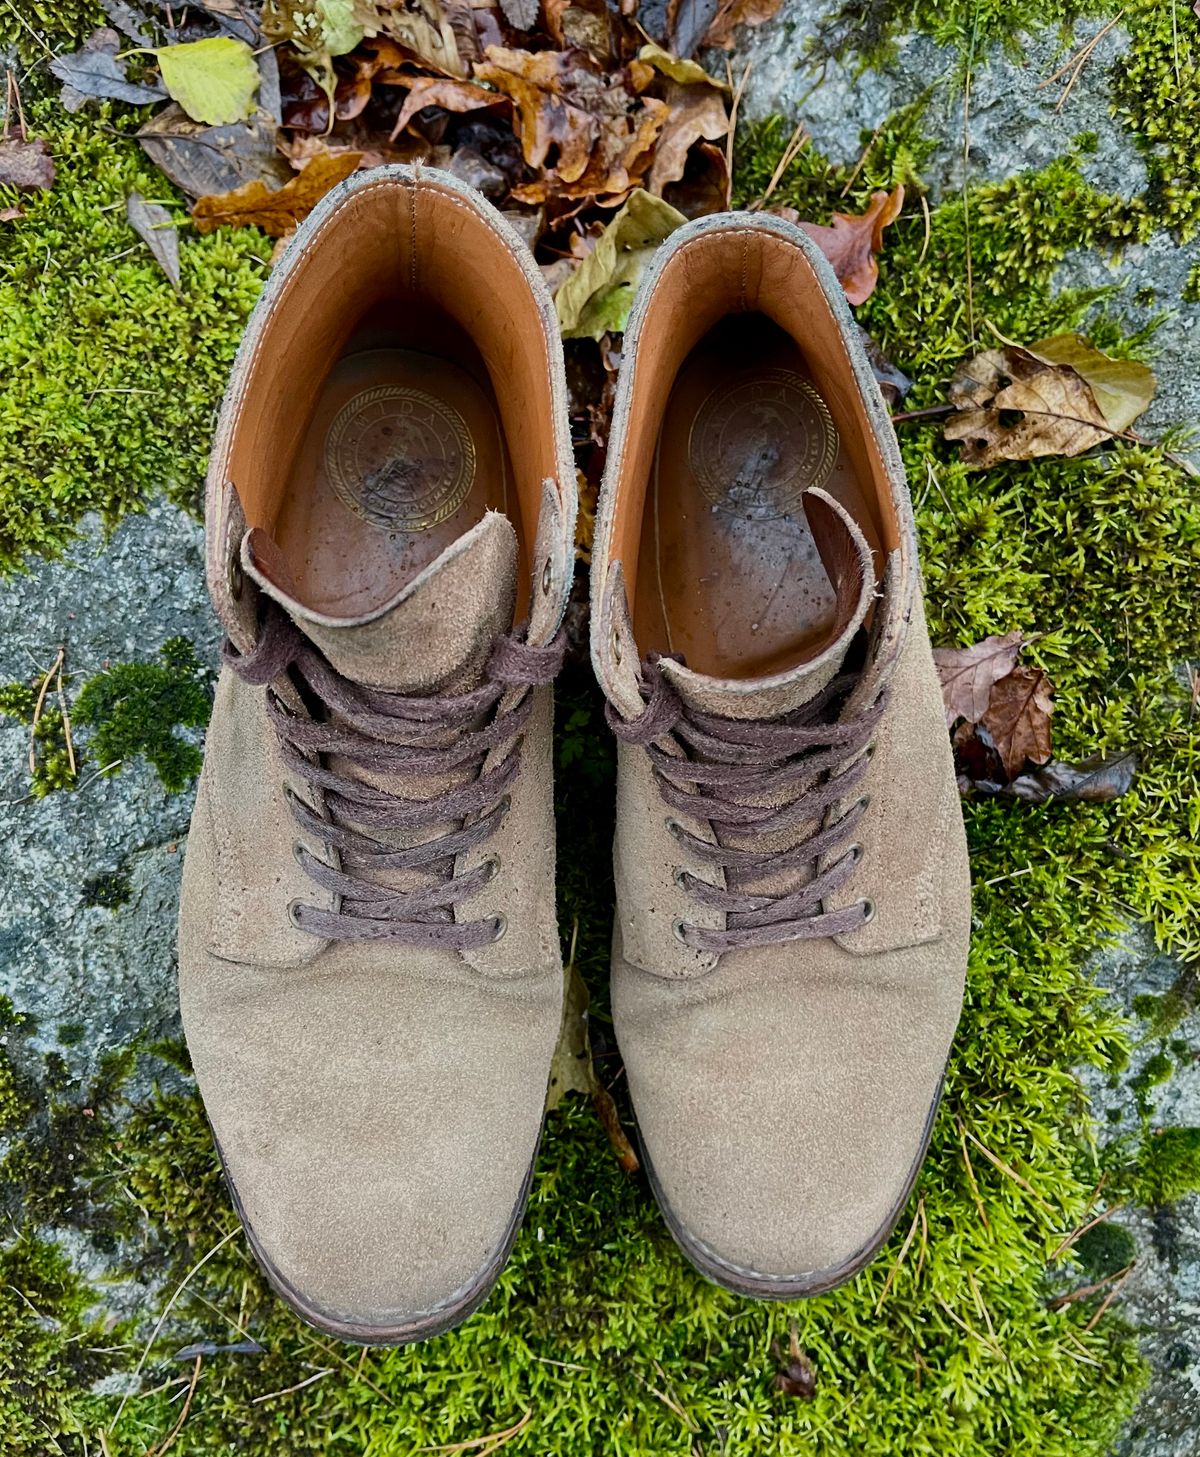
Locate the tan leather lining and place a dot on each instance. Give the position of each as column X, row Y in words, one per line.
column 682, row 348
column 410, row 268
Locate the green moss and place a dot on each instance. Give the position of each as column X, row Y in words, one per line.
column 127, row 711
column 111, row 377
column 1105, row 1249
column 1168, row 1167
column 1157, row 89
column 134, row 710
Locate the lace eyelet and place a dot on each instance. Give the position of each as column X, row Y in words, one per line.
column 616, row 647
column 868, row 906
column 499, row 927
column 864, row 802
column 857, row 851
column 235, row 578
column 869, row 752
column 504, row 806
column 491, row 866
column 547, row 577
column 298, row 853
column 293, row 913
column 678, row 927
column 677, row 874
column 672, row 826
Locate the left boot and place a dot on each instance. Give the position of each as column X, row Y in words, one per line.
column 793, row 900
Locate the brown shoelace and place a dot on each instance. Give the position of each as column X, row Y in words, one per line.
column 399, row 735
column 810, row 759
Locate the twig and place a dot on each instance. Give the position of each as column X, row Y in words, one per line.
column 1108, row 1299
column 1077, row 62
column 861, row 163
column 962, row 1141
column 730, row 134
column 1006, row 1169
column 66, row 718
column 183, row 1415
column 924, row 1240
column 1084, row 1291
column 55, row 667
column 892, row 1273
column 966, row 170
column 1081, row 1230
column 170, row 1305
column 796, row 142
column 962, row 1325
column 299, row 1386
column 488, row 1444
column 928, row 229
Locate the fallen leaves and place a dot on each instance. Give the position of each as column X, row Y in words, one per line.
column 1058, row 397
column 275, row 212
column 93, row 72
column 597, row 296
column 852, row 241
column 26, row 164
column 156, row 228
column 214, row 80
column 1000, row 713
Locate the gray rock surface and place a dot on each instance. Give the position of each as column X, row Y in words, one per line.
column 62, row 960
column 1161, row 1297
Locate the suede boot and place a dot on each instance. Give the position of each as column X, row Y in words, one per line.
column 369, row 961
column 793, row 899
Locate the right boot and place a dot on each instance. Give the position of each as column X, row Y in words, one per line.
column 369, row 964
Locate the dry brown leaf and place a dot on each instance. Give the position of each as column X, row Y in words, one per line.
column 968, row 675
column 734, row 13
column 1013, row 406
column 694, row 113
column 1017, row 718
column 851, row 243
column 275, row 212
column 26, row 164
column 561, row 104
column 424, row 29
column 450, row 95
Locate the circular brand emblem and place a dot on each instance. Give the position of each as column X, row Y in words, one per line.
column 757, row 447
column 399, row 458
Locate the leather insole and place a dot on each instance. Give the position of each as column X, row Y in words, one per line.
column 404, row 453
column 730, row 576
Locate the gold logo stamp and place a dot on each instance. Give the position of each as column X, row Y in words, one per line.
column 399, row 458
column 756, row 447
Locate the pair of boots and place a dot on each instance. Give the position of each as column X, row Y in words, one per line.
column 369, row 959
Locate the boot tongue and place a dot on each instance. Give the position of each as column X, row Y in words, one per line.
column 435, row 635
column 848, row 561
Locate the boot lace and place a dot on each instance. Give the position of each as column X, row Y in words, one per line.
column 398, row 735
column 803, row 763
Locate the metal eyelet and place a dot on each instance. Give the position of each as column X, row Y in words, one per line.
column 672, row 825
column 868, row 906
column 547, row 577
column 678, row 927
column 677, row 874
column 491, row 866
column 869, row 752
column 616, row 647
column 298, row 853
column 499, row 926
column 235, row 578
column 864, row 802
column 293, row 911
column 504, row 806
column 857, row 851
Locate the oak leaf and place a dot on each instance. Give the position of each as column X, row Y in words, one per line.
column 449, row 94
column 275, row 212
column 852, row 242
column 734, row 13
column 968, row 675
column 694, row 113
column 561, row 104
